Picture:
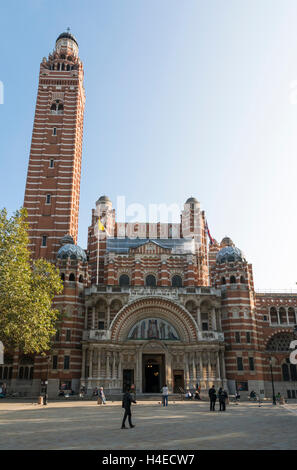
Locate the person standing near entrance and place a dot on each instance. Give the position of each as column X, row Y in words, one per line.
column 127, row 400
column 223, row 396
column 212, row 397
column 165, row 393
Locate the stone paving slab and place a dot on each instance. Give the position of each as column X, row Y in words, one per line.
column 182, row 425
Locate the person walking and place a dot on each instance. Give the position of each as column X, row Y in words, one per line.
column 212, row 397
column 126, row 404
column 101, row 396
column 165, row 393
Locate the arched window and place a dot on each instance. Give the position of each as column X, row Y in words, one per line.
column 273, row 315
column 150, row 281
column 285, row 371
column 21, row 372
column 280, row 342
column 242, row 280
column 282, row 315
column 63, row 56
column 124, row 280
column 223, row 280
column 81, row 279
column 293, row 372
column 26, row 373
column 72, row 277
column 232, row 280
column 69, row 58
column 63, row 66
column 291, row 315
column 63, row 277
column 60, row 108
column 176, row 281
column 68, row 67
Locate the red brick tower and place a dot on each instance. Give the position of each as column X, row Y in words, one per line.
column 53, row 179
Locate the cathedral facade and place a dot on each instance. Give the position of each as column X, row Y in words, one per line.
column 144, row 303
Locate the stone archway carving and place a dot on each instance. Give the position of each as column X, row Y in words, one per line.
column 158, row 307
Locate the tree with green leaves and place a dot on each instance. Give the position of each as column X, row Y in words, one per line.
column 27, row 289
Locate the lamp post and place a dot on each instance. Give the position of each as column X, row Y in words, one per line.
column 272, row 382
column 46, row 381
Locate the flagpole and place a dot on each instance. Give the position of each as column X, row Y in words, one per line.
column 97, row 277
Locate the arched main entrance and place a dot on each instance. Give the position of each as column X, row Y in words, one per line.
column 154, row 333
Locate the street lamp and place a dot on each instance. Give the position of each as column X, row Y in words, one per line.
column 273, row 392
column 46, row 381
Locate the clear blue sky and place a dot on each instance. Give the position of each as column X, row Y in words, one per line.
column 184, row 98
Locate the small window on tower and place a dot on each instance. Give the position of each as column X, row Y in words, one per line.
column 48, row 199
column 43, row 243
column 54, row 131
column 51, row 163
column 55, row 362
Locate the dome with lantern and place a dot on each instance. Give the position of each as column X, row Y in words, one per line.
column 70, row 250
column 229, row 252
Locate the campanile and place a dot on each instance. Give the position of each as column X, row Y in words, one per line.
column 53, row 180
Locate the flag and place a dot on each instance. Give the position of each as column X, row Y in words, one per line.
column 208, row 233
column 100, row 225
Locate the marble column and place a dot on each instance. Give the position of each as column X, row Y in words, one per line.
column 201, row 366
column 209, row 368
column 114, row 365
column 107, row 365
column 187, row 372
column 213, row 319
column 86, row 319
column 99, row 363
column 108, row 317
column 90, row 363
column 199, row 318
column 218, row 367
column 83, row 364
column 223, row 365
column 93, row 317
column 120, row 371
column 194, row 370
column 139, row 355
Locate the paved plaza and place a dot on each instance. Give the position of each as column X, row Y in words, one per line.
column 183, row 425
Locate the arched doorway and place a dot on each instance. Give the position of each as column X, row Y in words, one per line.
column 153, row 372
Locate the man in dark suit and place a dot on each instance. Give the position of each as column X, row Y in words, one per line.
column 126, row 404
column 212, row 397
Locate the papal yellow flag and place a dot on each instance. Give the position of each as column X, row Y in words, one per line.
column 100, row 225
